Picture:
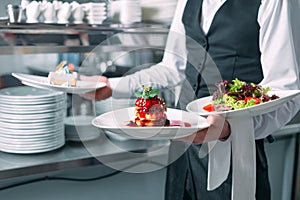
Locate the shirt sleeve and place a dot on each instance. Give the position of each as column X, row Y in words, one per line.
column 279, row 62
column 167, row 73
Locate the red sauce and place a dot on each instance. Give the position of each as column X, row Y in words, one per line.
column 179, row 123
column 173, row 123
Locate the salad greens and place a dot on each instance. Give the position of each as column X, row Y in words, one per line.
column 237, row 94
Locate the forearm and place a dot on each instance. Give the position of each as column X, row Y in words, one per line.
column 158, row 76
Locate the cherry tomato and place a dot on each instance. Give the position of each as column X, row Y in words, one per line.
column 256, row 100
column 209, row 107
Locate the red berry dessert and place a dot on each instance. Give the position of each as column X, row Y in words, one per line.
column 150, row 109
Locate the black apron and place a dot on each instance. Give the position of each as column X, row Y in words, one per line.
column 229, row 50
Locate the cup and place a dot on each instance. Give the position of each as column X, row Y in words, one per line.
column 48, row 12
column 33, row 11
column 24, row 4
column 14, row 13
column 77, row 12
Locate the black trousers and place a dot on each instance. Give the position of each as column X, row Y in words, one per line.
column 187, row 176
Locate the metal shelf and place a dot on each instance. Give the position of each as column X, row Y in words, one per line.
column 49, row 38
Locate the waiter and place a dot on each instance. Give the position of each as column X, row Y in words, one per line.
column 211, row 40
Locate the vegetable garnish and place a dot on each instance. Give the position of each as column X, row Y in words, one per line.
column 147, row 93
column 209, row 107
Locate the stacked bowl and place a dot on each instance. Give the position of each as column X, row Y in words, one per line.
column 96, row 13
column 31, row 120
column 79, row 128
column 158, row 11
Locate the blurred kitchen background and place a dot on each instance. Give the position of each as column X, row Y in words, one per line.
column 283, row 153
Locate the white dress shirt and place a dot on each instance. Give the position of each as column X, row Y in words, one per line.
column 279, row 66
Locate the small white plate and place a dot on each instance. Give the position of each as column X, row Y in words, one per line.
column 196, row 106
column 43, row 82
column 117, row 122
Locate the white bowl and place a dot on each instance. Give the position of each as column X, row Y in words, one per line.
column 80, row 128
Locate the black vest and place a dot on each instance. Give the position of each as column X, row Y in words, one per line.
column 232, row 43
column 233, row 52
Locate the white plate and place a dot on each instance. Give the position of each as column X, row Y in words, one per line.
column 52, row 115
column 25, row 112
column 284, row 96
column 42, row 82
column 29, row 142
column 31, row 150
column 32, row 131
column 49, row 107
column 32, row 121
column 28, row 102
column 32, row 137
column 116, row 122
column 16, row 126
column 28, row 93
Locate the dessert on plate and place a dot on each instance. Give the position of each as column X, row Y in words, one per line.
column 237, row 94
column 150, row 109
column 64, row 75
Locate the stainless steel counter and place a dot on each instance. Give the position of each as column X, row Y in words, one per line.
column 75, row 155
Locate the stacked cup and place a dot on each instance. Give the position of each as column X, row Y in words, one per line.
column 96, row 13
column 130, row 11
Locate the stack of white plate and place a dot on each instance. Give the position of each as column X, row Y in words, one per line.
column 96, row 13
column 31, row 120
column 80, row 128
column 158, row 11
column 130, row 11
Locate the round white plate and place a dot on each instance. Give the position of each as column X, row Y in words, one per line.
column 28, row 93
column 43, row 82
column 17, row 126
column 31, row 132
column 32, row 142
column 32, row 137
column 117, row 122
column 31, row 150
column 25, row 112
column 32, row 116
column 32, row 121
column 284, row 96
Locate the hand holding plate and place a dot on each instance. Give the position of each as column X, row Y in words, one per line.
column 219, row 129
column 99, row 94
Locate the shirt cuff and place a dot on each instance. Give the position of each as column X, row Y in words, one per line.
column 114, row 82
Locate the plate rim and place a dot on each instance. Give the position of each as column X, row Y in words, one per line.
column 37, row 97
column 154, row 128
column 34, row 83
column 232, row 112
